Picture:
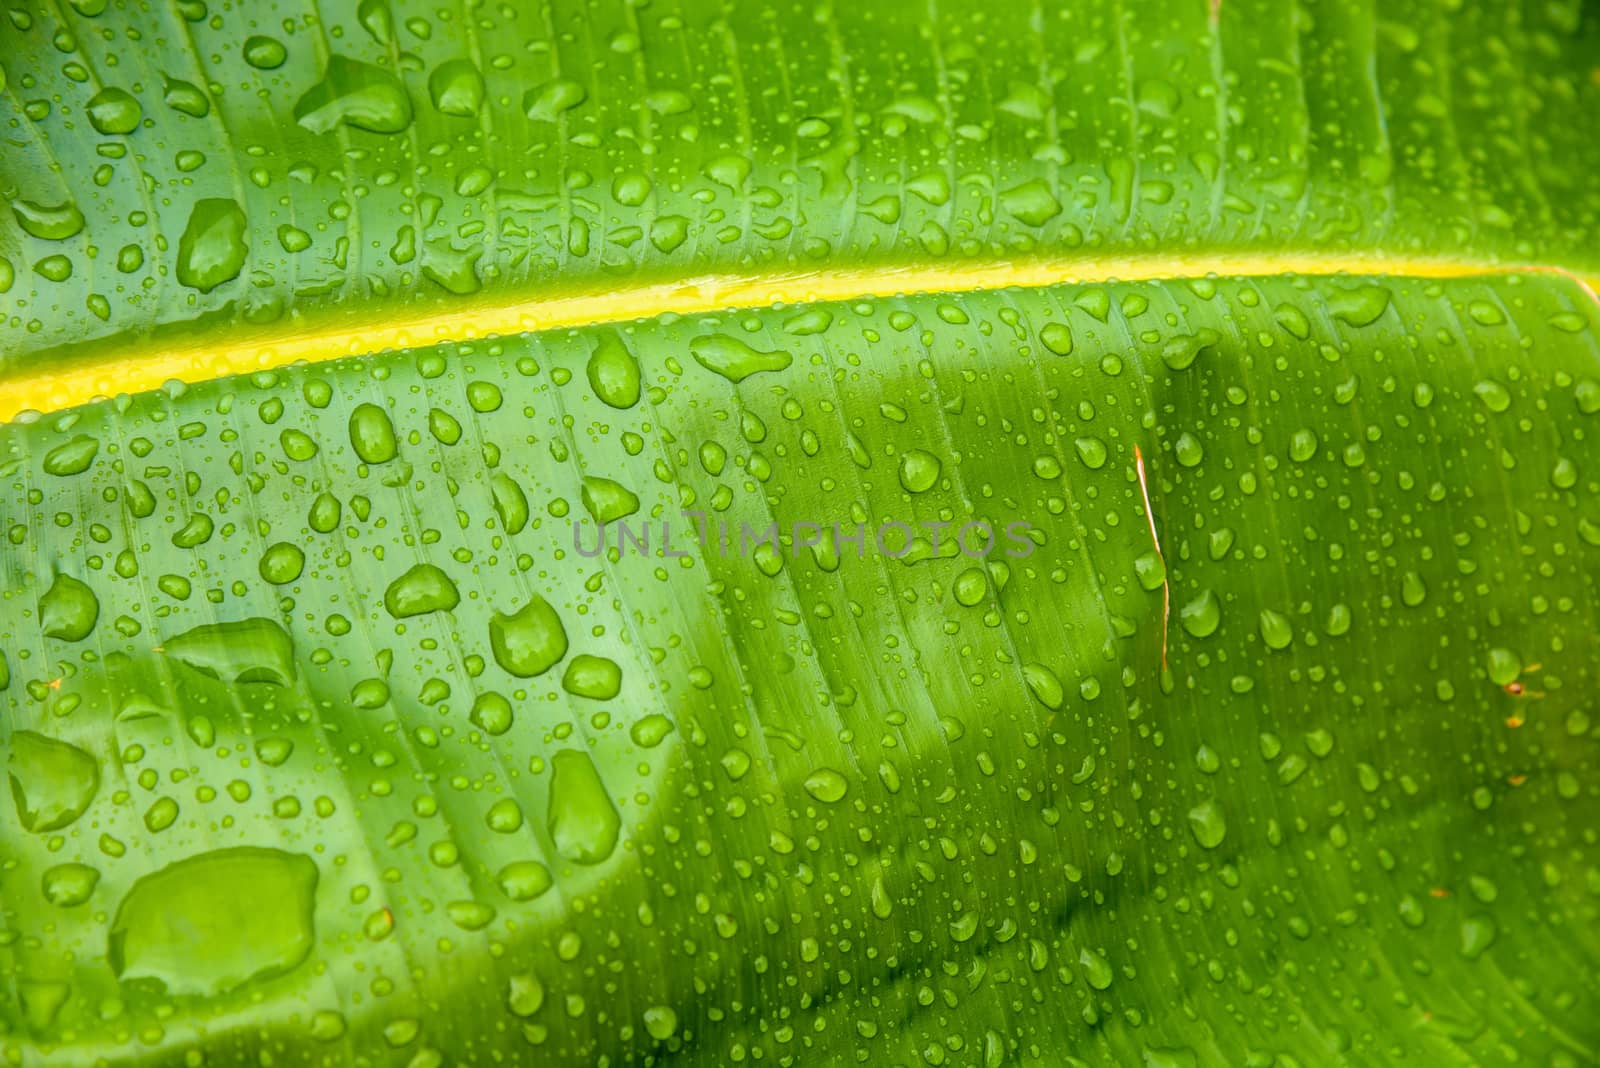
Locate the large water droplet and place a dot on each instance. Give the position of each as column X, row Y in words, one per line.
column 583, row 820
column 71, row 457
column 919, row 470
column 1208, row 823
column 68, row 885
column 249, row 650
column 424, row 588
column 372, row 434
column 49, row 223
column 1201, row 616
column 524, row 880
column 733, row 359
column 456, row 88
column 529, row 641
column 52, row 782
column 114, row 111
column 827, row 785
column 1032, row 202
column 650, row 731
column 212, row 249
column 594, row 677
column 608, row 501
column 68, row 609
column 614, row 373
column 355, row 94
column 214, row 922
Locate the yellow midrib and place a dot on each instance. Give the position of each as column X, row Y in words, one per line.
column 146, row 365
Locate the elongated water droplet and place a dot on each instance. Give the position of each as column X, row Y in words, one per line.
column 733, row 359
column 583, row 820
column 249, row 650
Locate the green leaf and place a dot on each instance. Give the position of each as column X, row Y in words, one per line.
column 1100, row 517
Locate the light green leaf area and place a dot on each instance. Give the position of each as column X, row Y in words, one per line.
column 1262, row 734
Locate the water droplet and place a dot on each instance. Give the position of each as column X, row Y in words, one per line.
column 456, row 88
column 1057, row 337
column 661, row 1022
column 827, row 785
column 504, row 816
column 1096, row 969
column 608, row 501
column 249, row 650
column 526, row 995
column 422, row 589
column 1032, row 202
column 1202, row 616
column 114, row 111
column 650, row 731
column 1045, row 685
column 583, row 821
column 71, row 457
column 69, row 885
column 1485, row 313
column 1275, row 629
column 48, row 223
column 1208, row 823
column 919, row 471
column 1092, row 451
column 530, row 641
column 264, row 53
column 1359, row 307
column 1303, row 445
column 524, row 880
column 510, row 503
column 547, row 102
column 1180, row 352
column 971, row 587
column 212, row 249
column 491, row 712
column 273, row 752
column 470, row 915
column 52, row 782
column 355, row 94
column 614, row 373
column 594, row 677
column 1504, row 666
column 68, row 610
column 733, row 359
column 1478, row 933
column 1293, row 320
column 214, row 922
column 282, row 563
column 372, row 434
column 1495, row 397
column 186, row 97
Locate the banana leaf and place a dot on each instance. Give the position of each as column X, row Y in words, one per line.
column 710, row 533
